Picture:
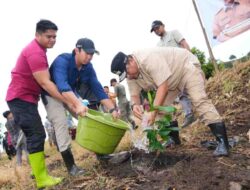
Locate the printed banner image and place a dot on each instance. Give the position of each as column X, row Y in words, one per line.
column 224, row 19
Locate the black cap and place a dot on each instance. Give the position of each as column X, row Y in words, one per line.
column 6, row 113
column 118, row 65
column 155, row 24
column 87, row 45
column 112, row 80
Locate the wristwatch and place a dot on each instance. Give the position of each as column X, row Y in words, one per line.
column 111, row 110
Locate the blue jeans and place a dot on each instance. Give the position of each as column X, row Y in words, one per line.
column 27, row 117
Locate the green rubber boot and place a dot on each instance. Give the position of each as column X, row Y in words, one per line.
column 39, row 170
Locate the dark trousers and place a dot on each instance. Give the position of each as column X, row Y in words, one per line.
column 27, row 117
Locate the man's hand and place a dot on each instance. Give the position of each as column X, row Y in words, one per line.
column 115, row 115
column 137, row 111
column 71, row 107
column 151, row 117
column 81, row 110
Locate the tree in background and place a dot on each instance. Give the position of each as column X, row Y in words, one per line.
column 199, row 54
column 232, row 57
column 207, row 67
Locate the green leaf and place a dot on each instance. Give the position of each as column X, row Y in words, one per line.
column 165, row 139
column 151, row 134
column 151, row 101
column 169, row 109
column 161, row 123
column 156, row 146
column 167, row 117
column 174, row 128
column 164, row 133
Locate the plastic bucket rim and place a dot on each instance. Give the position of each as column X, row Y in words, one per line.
column 115, row 124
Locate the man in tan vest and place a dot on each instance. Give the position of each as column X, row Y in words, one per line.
column 156, row 69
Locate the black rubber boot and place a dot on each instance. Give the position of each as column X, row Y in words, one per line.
column 189, row 119
column 174, row 135
column 69, row 161
column 219, row 131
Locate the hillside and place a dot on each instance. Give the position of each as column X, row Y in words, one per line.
column 186, row 167
column 230, row 92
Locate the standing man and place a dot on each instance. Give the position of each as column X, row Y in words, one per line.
column 28, row 78
column 111, row 96
column 123, row 103
column 231, row 20
column 68, row 71
column 8, row 146
column 175, row 39
column 157, row 68
column 17, row 137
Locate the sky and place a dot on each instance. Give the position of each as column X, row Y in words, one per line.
column 113, row 25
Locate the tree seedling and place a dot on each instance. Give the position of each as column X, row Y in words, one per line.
column 160, row 133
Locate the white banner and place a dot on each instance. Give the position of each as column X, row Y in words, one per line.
column 224, row 19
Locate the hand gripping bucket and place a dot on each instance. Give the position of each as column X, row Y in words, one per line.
column 98, row 132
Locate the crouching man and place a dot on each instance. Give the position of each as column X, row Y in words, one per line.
column 170, row 70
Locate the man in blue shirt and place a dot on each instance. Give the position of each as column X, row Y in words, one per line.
column 68, row 71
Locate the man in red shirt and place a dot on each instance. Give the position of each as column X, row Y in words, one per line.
column 28, row 78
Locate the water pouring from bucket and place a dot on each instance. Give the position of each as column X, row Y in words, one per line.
column 140, row 140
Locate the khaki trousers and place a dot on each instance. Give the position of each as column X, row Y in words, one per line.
column 194, row 85
column 56, row 113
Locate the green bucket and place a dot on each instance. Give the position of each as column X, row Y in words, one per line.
column 98, row 132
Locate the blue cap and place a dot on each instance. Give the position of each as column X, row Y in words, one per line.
column 155, row 24
column 87, row 45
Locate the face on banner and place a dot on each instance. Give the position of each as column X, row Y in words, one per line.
column 224, row 19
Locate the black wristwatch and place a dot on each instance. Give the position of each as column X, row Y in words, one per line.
column 111, row 110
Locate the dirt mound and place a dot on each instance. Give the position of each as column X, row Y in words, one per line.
column 230, row 93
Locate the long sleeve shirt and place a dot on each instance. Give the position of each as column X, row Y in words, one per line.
column 67, row 77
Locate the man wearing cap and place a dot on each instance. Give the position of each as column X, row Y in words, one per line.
column 175, row 39
column 168, row 38
column 157, row 69
column 123, row 103
column 68, row 71
column 231, row 20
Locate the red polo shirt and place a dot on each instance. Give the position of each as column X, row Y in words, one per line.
column 23, row 85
